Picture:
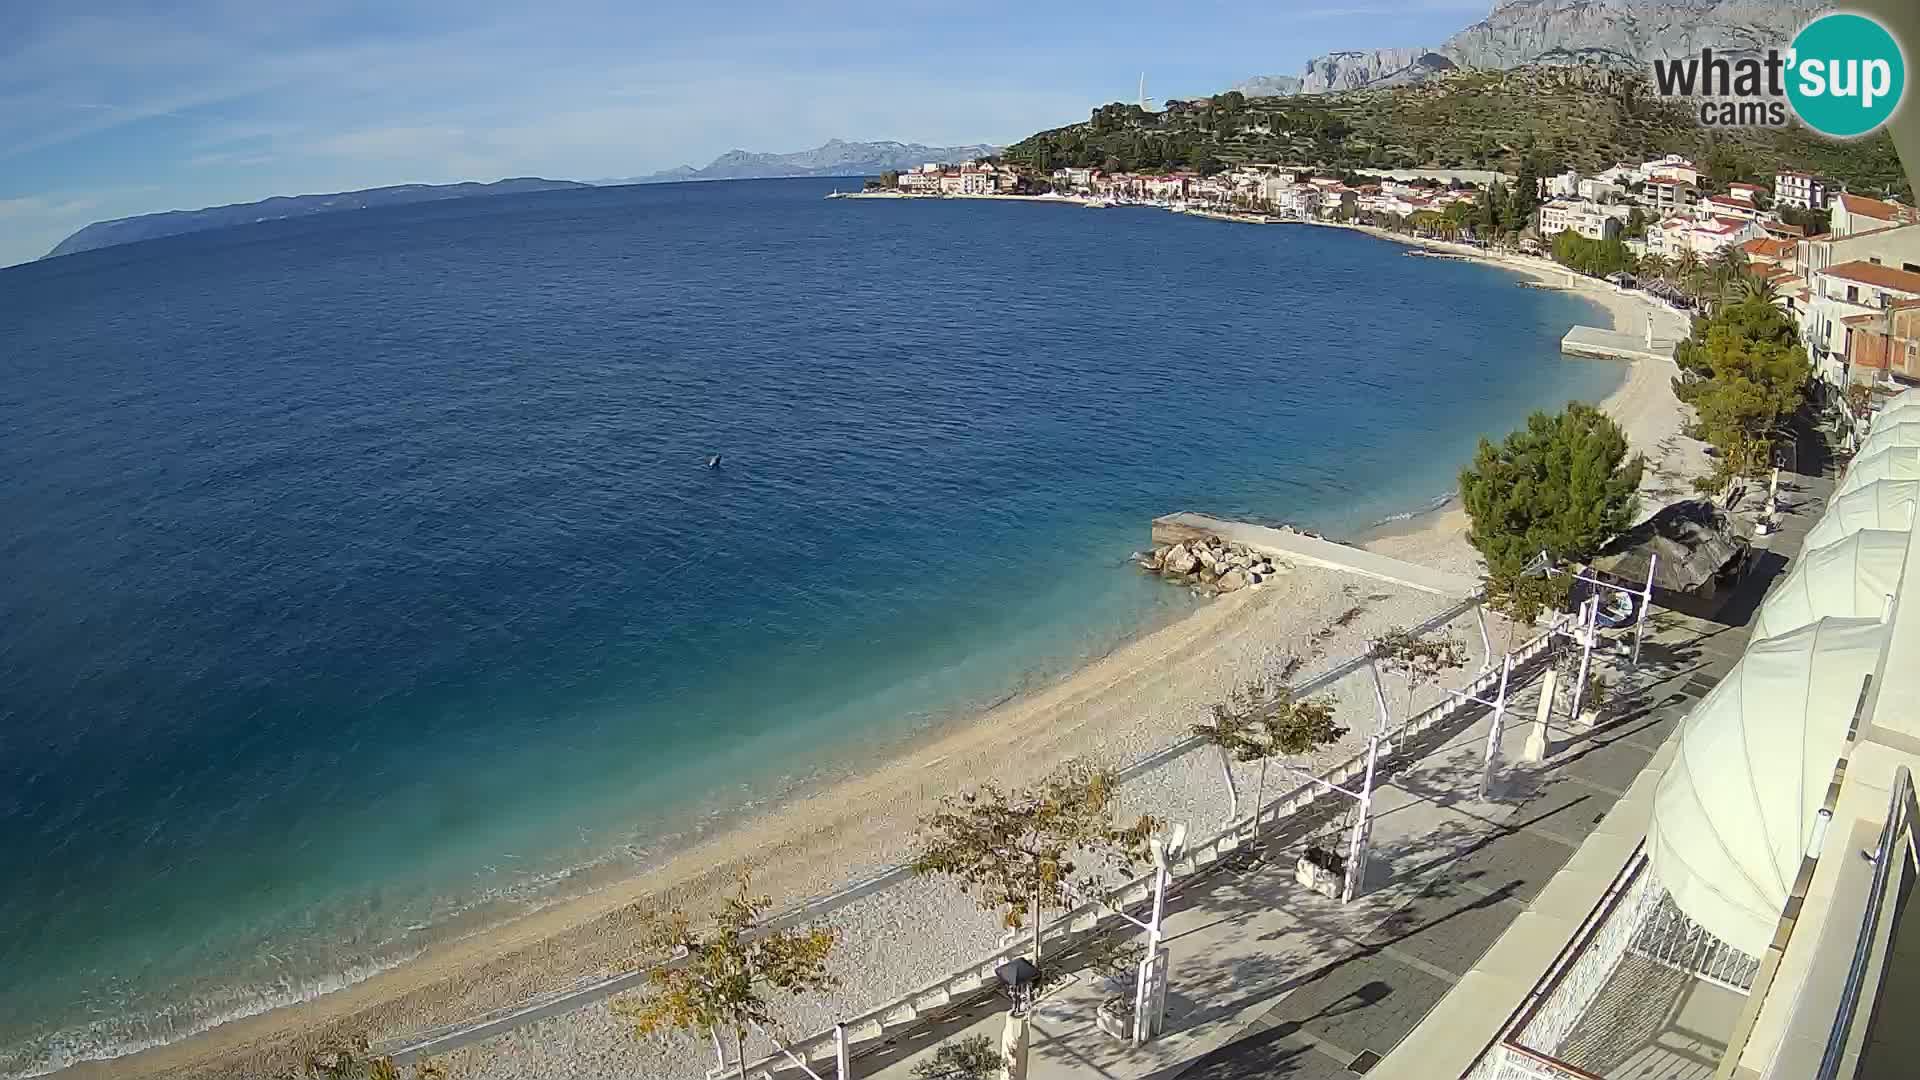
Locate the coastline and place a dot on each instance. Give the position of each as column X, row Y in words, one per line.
column 1643, row 404
column 1120, row 706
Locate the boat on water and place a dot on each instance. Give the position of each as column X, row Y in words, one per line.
column 1099, row 204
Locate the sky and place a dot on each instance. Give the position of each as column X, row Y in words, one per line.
column 111, row 110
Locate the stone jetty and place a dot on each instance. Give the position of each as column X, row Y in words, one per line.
column 1211, row 565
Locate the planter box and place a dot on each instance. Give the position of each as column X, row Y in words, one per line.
column 1318, row 878
column 1115, row 1017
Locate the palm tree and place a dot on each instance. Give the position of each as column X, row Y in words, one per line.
column 1653, row 268
column 1689, row 275
column 1729, row 265
column 1750, row 287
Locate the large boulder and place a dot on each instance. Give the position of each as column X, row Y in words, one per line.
column 1179, row 560
column 1152, row 560
column 1208, row 557
column 1231, row 580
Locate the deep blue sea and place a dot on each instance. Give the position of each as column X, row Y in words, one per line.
column 361, row 577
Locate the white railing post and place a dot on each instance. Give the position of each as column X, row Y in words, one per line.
column 1382, row 713
column 1362, row 828
column 1233, row 793
column 1495, row 727
column 842, row 1059
column 1589, row 630
column 1646, row 602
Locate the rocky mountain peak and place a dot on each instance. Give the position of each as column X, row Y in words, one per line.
column 1614, row 33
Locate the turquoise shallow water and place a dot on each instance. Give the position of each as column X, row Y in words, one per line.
column 363, row 570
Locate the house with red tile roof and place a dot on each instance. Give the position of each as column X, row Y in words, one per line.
column 1857, row 214
column 1846, row 291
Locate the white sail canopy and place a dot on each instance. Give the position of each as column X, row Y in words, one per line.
column 1850, row 579
column 1883, row 504
column 1900, row 412
column 1902, row 431
column 1894, row 463
column 1735, row 811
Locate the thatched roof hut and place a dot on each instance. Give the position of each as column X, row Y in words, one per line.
column 1699, row 548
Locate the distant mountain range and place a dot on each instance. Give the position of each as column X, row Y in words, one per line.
column 176, row 222
column 1518, row 33
column 836, row 157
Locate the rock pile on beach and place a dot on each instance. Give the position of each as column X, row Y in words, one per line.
column 1211, row 565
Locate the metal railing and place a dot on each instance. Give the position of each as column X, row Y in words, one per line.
column 1552, row 1017
column 1668, row 937
column 1896, row 839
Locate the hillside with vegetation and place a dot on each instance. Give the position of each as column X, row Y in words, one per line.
column 1584, row 118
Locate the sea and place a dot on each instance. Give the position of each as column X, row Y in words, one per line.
column 364, row 580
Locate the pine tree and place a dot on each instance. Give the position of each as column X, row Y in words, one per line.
column 1563, row 484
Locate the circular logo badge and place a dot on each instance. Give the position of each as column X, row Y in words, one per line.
column 1846, row 75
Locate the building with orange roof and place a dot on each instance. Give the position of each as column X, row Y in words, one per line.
column 1853, row 214
column 1842, row 292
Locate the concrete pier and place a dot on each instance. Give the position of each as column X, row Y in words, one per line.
column 1307, row 551
column 1614, row 345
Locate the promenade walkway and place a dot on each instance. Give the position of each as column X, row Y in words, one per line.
column 1272, row 980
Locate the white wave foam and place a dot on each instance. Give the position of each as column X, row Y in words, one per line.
column 123, row 1035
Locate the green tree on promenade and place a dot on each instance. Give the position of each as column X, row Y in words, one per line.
column 726, row 978
column 1017, row 852
column 1266, row 722
column 1744, row 372
column 1563, row 484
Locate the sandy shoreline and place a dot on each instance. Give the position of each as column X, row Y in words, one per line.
column 1116, row 709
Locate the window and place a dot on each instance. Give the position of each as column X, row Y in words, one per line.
column 1853, row 294
column 1874, row 259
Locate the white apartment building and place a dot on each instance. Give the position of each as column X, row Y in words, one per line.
column 1594, row 189
column 1843, row 291
column 1804, row 190
column 1673, row 167
column 1726, row 206
column 1677, row 235
column 1591, row 220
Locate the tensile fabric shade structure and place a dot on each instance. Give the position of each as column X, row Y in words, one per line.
column 1738, row 807
column 1886, row 436
column 1893, row 463
column 1848, row 579
column 1883, row 504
